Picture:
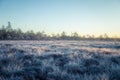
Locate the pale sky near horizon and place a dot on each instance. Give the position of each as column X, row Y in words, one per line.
column 54, row 16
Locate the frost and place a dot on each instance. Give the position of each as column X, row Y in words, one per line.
column 59, row 60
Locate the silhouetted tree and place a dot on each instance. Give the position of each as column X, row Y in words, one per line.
column 63, row 35
column 3, row 34
column 75, row 36
column 8, row 33
column 105, row 35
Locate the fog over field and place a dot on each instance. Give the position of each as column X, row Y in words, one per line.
column 60, row 60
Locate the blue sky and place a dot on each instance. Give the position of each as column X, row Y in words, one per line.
column 54, row 16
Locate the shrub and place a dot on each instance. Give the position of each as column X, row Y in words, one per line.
column 114, row 74
column 90, row 62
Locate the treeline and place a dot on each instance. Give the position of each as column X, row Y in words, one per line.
column 8, row 33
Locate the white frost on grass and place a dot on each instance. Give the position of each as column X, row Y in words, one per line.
column 59, row 60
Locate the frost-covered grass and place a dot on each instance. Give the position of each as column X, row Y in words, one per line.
column 59, row 60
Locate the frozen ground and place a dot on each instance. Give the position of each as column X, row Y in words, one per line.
column 59, row 60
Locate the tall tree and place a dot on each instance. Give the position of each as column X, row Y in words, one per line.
column 63, row 35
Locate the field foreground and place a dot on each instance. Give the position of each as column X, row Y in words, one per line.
column 59, row 60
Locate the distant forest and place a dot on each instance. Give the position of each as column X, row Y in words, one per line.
column 8, row 33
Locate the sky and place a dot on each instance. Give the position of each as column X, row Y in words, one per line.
column 92, row 17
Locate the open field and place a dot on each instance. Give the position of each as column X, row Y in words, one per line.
column 59, row 60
